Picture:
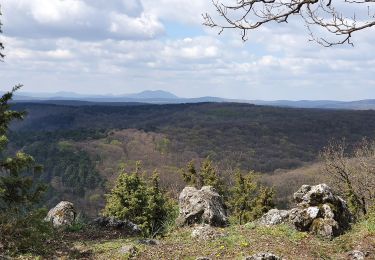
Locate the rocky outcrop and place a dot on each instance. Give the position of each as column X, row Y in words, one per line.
column 206, row 232
column 63, row 214
column 320, row 211
column 201, row 206
column 263, row 256
column 111, row 223
column 274, row 217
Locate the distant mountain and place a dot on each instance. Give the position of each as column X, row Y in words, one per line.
column 152, row 94
column 164, row 97
column 324, row 104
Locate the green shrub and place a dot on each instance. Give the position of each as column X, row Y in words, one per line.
column 206, row 176
column 78, row 225
column 248, row 200
column 24, row 233
column 141, row 201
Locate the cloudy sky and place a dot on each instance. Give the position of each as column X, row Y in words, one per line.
column 126, row 46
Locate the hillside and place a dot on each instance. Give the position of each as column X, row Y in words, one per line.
column 262, row 138
column 83, row 146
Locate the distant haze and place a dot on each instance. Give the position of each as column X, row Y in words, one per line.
column 164, row 97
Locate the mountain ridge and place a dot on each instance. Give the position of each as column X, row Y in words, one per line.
column 165, row 97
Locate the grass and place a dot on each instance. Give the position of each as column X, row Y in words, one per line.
column 238, row 242
column 283, row 232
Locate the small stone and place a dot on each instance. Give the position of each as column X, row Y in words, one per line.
column 263, row 256
column 206, row 232
column 202, row 258
column 129, row 250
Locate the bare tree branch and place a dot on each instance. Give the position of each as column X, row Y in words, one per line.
column 246, row 15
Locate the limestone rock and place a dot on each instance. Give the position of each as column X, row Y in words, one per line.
column 206, row 232
column 263, row 256
column 320, row 211
column 201, row 206
column 63, row 214
column 111, row 223
column 274, row 217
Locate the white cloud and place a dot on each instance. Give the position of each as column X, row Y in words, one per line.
column 128, row 27
column 119, row 46
column 80, row 19
column 52, row 11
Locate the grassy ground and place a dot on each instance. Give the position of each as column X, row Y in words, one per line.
column 238, row 242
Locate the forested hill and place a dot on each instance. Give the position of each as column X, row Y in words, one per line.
column 258, row 137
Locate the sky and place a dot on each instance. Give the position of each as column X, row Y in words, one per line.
column 127, row 46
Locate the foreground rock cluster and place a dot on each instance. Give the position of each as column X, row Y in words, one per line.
column 318, row 211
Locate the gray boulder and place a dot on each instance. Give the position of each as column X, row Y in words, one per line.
column 263, row 256
column 320, row 211
column 274, row 217
column 111, row 223
column 201, row 206
column 63, row 214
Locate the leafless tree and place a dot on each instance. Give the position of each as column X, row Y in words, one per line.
column 352, row 173
column 340, row 19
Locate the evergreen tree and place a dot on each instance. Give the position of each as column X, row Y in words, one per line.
column 143, row 202
column 248, row 200
column 264, row 202
column 21, row 225
column 158, row 208
column 206, row 176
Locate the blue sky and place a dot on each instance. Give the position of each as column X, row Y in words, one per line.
column 126, row 46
